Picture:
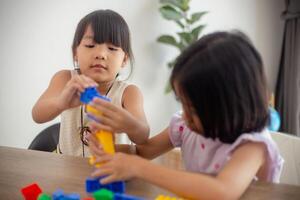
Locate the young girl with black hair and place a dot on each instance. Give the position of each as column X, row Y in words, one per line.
column 225, row 145
column 101, row 48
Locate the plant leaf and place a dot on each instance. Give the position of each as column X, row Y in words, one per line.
column 168, row 39
column 170, row 13
column 181, row 4
column 179, row 23
column 186, row 37
column 171, row 63
column 168, row 88
column 196, row 16
column 196, row 31
column 185, row 5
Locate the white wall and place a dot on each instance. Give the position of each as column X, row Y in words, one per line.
column 36, row 41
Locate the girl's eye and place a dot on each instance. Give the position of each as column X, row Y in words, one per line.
column 90, row 46
column 113, row 48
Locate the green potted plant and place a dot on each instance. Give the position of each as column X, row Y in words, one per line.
column 189, row 28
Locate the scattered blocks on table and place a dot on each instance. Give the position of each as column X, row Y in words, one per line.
column 119, row 196
column 44, row 196
column 31, row 192
column 60, row 195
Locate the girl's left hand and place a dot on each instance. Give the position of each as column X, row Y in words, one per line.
column 113, row 118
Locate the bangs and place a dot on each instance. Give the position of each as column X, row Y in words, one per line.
column 109, row 30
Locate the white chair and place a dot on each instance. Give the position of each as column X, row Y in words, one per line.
column 289, row 147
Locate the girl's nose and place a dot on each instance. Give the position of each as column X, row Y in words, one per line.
column 100, row 53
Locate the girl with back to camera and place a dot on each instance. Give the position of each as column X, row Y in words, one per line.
column 225, row 145
column 101, row 48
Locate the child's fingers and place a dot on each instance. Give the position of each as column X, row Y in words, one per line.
column 95, row 126
column 106, row 107
column 105, row 158
column 108, row 179
column 89, row 81
column 96, row 149
column 99, row 172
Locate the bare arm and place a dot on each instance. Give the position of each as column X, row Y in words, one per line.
column 133, row 102
column 154, row 147
column 230, row 183
column 47, row 107
column 62, row 93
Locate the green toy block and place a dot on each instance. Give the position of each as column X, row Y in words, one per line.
column 44, row 196
column 103, row 194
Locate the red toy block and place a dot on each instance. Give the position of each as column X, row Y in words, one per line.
column 31, row 192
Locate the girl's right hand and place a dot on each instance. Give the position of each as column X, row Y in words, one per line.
column 70, row 95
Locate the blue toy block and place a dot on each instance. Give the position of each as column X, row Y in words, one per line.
column 118, row 187
column 58, row 194
column 89, row 93
column 73, row 196
column 93, row 184
column 119, row 196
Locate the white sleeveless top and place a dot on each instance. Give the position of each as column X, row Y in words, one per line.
column 69, row 136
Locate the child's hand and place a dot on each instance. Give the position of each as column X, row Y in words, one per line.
column 113, row 118
column 94, row 145
column 70, row 95
column 117, row 167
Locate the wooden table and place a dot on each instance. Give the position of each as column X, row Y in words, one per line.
column 20, row 167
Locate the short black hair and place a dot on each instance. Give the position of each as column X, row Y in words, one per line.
column 108, row 27
column 222, row 75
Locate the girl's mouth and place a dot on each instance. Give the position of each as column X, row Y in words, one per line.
column 99, row 66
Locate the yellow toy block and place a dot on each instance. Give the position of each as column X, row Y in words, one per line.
column 163, row 197
column 105, row 138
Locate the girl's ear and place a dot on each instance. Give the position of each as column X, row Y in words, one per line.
column 125, row 60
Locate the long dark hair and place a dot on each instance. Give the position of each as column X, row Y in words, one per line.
column 222, row 76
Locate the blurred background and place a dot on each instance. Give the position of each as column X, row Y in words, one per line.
column 36, row 38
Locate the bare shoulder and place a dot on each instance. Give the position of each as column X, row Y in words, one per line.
column 61, row 76
column 58, row 82
column 257, row 148
column 132, row 94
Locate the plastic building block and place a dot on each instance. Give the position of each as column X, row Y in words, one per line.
column 118, row 187
column 73, row 196
column 89, row 93
column 103, row 194
column 88, row 198
column 31, row 192
column 44, row 196
column 104, row 137
column 163, row 197
column 58, row 194
column 93, row 184
column 119, row 196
